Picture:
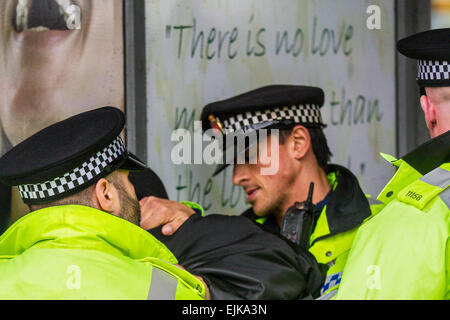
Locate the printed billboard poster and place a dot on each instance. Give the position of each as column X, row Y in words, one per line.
column 205, row 51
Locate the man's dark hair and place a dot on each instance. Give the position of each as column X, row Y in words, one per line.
column 318, row 141
column 83, row 197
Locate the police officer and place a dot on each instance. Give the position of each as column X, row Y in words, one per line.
column 403, row 253
column 290, row 159
column 82, row 239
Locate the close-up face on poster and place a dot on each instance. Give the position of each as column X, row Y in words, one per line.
column 57, row 59
column 225, row 150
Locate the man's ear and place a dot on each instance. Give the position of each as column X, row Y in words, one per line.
column 300, row 142
column 107, row 196
column 429, row 111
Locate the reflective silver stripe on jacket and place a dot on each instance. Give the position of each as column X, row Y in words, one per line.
column 163, row 286
column 438, row 177
column 445, row 196
column 373, row 201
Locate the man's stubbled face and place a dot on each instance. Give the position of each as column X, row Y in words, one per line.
column 268, row 193
column 130, row 209
column 49, row 69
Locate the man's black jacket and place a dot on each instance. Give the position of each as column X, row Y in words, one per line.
column 238, row 259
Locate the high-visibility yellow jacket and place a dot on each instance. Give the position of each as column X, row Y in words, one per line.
column 404, row 251
column 77, row 252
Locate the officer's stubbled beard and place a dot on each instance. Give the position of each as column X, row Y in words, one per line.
column 130, row 208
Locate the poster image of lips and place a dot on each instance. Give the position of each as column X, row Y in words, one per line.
column 58, row 58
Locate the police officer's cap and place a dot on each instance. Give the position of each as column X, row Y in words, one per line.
column 68, row 156
column 273, row 106
column 431, row 49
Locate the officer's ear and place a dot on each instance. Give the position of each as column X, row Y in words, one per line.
column 300, row 142
column 107, row 196
column 429, row 111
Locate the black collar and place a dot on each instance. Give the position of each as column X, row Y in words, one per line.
column 348, row 205
column 430, row 155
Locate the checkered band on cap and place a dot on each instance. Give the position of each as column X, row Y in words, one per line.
column 77, row 177
column 433, row 70
column 306, row 114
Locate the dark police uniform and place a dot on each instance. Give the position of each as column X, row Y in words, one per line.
column 342, row 211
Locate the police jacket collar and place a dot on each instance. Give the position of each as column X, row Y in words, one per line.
column 430, row 155
column 81, row 227
column 348, row 206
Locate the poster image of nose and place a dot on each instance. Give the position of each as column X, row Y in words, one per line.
column 58, row 58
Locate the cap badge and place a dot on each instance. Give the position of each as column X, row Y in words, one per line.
column 216, row 124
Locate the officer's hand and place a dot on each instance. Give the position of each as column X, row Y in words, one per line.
column 161, row 212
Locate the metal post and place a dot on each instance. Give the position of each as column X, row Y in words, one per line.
column 412, row 16
column 135, row 77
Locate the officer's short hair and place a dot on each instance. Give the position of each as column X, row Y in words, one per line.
column 83, row 198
